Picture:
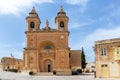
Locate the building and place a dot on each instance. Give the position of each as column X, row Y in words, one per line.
column 47, row 49
column 108, row 58
column 75, row 59
column 0, row 65
column 90, row 67
column 19, row 65
column 11, row 63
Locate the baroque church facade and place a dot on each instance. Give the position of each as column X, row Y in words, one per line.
column 47, row 49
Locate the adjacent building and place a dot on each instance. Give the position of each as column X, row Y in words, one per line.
column 11, row 63
column 47, row 49
column 0, row 65
column 108, row 58
column 75, row 59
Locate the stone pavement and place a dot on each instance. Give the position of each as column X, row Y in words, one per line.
column 19, row 76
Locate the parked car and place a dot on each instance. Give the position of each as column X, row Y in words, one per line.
column 75, row 73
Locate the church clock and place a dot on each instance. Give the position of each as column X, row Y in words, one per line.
column 62, row 37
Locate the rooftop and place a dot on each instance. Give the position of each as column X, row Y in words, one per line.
column 115, row 40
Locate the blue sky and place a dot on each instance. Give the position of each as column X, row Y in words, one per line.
column 89, row 21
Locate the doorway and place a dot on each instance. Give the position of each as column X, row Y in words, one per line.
column 48, row 65
column 104, row 70
column 49, row 68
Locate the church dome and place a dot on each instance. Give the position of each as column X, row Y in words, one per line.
column 33, row 13
column 61, row 13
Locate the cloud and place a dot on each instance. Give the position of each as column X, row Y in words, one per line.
column 15, row 53
column 79, row 24
column 74, row 2
column 99, row 34
column 16, row 6
column 12, row 45
column 16, row 49
column 74, row 25
column 82, row 4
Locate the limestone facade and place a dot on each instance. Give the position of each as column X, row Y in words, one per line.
column 75, row 59
column 11, row 63
column 47, row 49
column 107, row 58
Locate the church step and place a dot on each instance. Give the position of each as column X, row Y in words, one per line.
column 45, row 74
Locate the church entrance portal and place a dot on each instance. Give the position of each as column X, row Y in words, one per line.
column 49, row 68
column 47, row 65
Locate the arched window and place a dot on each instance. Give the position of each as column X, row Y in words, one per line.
column 32, row 25
column 62, row 25
column 47, row 47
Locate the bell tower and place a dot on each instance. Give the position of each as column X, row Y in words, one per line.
column 33, row 21
column 61, row 20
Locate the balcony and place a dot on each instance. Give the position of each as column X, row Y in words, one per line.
column 117, row 57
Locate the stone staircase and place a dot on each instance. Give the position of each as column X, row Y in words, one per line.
column 45, row 74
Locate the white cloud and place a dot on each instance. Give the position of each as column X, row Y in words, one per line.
column 17, row 6
column 79, row 24
column 81, row 2
column 12, row 45
column 82, row 9
column 16, row 49
column 99, row 34
column 15, row 53
column 74, row 25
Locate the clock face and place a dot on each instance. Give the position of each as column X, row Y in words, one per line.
column 62, row 36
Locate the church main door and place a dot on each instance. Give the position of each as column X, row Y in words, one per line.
column 49, row 70
column 48, row 65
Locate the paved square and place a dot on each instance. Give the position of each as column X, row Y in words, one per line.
column 19, row 76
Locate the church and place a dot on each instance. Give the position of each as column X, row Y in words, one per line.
column 47, row 49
